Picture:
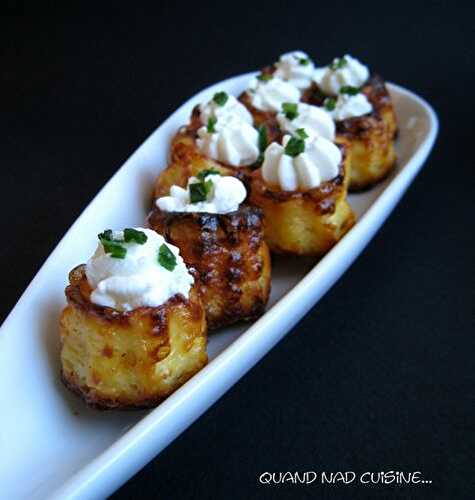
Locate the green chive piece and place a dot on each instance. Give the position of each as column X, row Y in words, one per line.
column 294, row 147
column 211, row 125
column 348, row 89
column 329, row 103
column 131, row 234
column 220, row 98
column 105, row 235
column 304, row 61
column 208, row 186
column 166, row 258
column 198, row 192
column 264, row 77
column 290, row 110
column 263, row 140
column 112, row 247
column 117, row 251
column 300, row 132
column 338, row 63
column 207, row 171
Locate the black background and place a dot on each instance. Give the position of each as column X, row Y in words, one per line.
column 379, row 375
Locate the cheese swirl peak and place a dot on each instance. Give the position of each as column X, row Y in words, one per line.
column 303, row 167
column 350, row 106
column 342, row 72
column 296, row 68
column 314, row 120
column 268, row 93
column 229, row 140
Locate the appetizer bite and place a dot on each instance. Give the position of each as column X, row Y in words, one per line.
column 362, row 109
column 223, row 240
column 134, row 329
column 301, row 189
column 220, row 136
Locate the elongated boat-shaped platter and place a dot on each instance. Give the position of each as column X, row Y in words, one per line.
column 51, row 444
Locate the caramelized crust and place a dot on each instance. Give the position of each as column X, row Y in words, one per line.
column 371, row 137
column 230, row 255
column 129, row 360
column 304, row 222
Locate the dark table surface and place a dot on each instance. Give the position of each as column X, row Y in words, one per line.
column 379, row 375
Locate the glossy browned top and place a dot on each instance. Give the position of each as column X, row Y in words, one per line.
column 214, row 232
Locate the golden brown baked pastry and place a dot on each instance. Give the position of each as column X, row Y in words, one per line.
column 132, row 359
column 304, row 222
column 230, row 255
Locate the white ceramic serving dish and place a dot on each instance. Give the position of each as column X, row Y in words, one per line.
column 51, row 445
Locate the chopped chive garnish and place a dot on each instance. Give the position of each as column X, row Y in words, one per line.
column 131, row 234
column 220, row 98
column 300, row 132
column 166, row 258
column 264, row 77
column 304, row 61
column 290, row 110
column 348, row 89
column 199, row 190
column 329, row 103
column 208, row 186
column 262, row 142
column 114, row 248
column 338, row 63
column 211, row 125
column 294, row 147
column 262, row 139
column 207, row 171
column 105, row 235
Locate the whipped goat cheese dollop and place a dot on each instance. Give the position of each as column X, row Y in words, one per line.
column 229, row 140
column 342, row 72
column 212, row 193
column 315, row 120
column 296, row 68
column 350, row 106
column 305, row 167
column 224, row 105
column 268, row 93
column 137, row 275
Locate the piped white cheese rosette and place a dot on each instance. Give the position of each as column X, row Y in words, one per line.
column 300, row 162
column 135, row 268
column 341, row 81
column 209, row 192
column 227, row 134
